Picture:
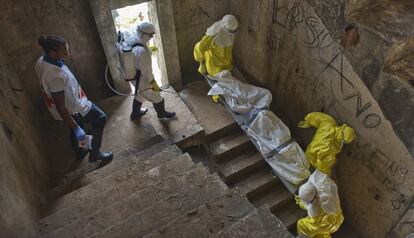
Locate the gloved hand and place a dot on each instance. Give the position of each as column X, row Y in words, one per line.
column 79, row 134
column 202, row 69
column 153, row 49
column 303, row 124
column 155, row 86
column 215, row 98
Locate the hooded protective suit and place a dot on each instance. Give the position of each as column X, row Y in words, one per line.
column 327, row 142
column 142, row 55
column 214, row 51
column 319, row 196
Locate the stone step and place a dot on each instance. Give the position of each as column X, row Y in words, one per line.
column 160, row 187
column 231, row 145
column 222, row 132
column 199, row 192
column 241, row 165
column 258, row 224
column 206, row 220
column 121, row 175
column 214, row 117
column 92, row 171
column 256, row 182
column 274, row 197
column 113, row 193
column 289, row 214
column 132, row 156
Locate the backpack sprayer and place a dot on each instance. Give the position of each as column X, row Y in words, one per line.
column 127, row 62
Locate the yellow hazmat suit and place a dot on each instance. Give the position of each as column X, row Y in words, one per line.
column 319, row 196
column 327, row 142
column 214, row 51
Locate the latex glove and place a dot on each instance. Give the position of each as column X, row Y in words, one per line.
column 303, row 124
column 79, row 134
column 215, row 98
column 155, row 86
column 202, row 69
column 153, row 49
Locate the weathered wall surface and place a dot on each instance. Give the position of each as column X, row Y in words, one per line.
column 192, row 18
column 23, row 173
column 292, row 47
column 23, row 21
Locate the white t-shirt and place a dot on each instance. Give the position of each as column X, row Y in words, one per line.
column 52, row 79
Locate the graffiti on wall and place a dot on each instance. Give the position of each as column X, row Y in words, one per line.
column 305, row 29
column 9, row 92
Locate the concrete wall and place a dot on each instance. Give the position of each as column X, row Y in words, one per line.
column 192, row 18
column 23, row 173
column 22, row 22
column 292, row 47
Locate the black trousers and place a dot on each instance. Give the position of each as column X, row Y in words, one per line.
column 97, row 119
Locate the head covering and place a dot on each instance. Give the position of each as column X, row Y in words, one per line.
column 223, row 30
column 349, row 134
column 146, row 27
column 145, row 31
column 308, row 195
column 230, row 23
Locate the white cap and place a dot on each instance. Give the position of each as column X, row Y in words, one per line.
column 146, row 27
column 230, row 22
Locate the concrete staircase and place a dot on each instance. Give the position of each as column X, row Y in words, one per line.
column 242, row 166
column 236, row 159
column 156, row 192
column 151, row 189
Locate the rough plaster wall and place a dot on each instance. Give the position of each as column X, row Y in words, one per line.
column 23, row 173
column 287, row 47
column 23, row 21
column 192, row 18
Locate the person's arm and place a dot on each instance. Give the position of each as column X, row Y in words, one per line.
column 200, row 48
column 144, row 64
column 315, row 119
column 59, row 98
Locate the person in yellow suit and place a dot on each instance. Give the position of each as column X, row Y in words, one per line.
column 319, row 196
column 327, row 142
column 214, row 51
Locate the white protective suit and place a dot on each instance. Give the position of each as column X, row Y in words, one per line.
column 241, row 98
column 326, row 192
column 143, row 63
column 284, row 155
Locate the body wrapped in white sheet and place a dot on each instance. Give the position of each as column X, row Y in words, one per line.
column 273, row 138
column 240, row 97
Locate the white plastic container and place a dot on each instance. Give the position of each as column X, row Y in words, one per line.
column 86, row 143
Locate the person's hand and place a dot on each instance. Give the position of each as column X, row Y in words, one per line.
column 155, row 86
column 79, row 134
column 153, row 49
column 202, row 69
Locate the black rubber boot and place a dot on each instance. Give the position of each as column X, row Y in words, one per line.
column 137, row 112
column 161, row 112
column 105, row 157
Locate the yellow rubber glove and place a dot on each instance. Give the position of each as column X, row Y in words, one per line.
column 202, row 69
column 155, row 86
column 153, row 49
column 215, row 98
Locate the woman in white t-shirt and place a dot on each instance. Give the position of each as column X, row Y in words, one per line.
column 66, row 101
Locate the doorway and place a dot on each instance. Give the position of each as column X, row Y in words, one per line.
column 126, row 20
column 160, row 13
